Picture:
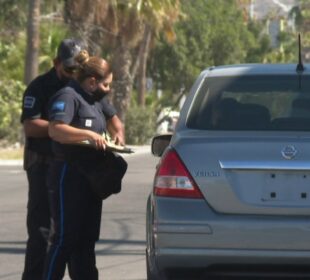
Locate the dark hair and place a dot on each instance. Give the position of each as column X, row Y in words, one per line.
column 91, row 66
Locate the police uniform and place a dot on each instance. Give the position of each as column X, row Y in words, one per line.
column 75, row 210
column 37, row 155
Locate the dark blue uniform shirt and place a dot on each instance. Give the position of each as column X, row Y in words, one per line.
column 73, row 106
column 35, row 106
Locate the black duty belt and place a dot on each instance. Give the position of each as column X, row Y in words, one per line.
column 59, row 157
column 44, row 158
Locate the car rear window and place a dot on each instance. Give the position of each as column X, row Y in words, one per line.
column 252, row 103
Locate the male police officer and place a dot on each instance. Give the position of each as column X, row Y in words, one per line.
column 37, row 153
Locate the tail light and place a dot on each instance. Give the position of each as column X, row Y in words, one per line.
column 173, row 179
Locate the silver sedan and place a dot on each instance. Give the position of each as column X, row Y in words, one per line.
column 231, row 192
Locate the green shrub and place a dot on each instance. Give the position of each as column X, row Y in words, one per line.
column 12, row 56
column 11, row 92
column 140, row 125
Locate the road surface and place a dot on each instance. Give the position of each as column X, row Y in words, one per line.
column 120, row 250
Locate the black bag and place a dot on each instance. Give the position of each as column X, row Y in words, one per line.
column 104, row 174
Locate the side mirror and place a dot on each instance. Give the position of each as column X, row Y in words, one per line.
column 160, row 143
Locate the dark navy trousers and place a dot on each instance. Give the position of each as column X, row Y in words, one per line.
column 75, row 224
column 37, row 217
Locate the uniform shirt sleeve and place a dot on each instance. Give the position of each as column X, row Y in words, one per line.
column 32, row 102
column 107, row 108
column 62, row 107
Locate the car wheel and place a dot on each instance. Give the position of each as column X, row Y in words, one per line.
column 152, row 272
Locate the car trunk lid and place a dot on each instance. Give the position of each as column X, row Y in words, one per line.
column 269, row 174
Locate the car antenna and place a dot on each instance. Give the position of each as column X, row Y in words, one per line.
column 300, row 67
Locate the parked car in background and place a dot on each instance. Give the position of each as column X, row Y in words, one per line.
column 231, row 193
column 167, row 120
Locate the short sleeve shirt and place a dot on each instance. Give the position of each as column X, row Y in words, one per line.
column 35, row 106
column 73, row 106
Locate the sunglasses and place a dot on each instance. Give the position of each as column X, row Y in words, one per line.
column 70, row 70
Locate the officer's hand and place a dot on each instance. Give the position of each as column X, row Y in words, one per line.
column 119, row 140
column 97, row 140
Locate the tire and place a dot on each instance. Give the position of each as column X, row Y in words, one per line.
column 152, row 272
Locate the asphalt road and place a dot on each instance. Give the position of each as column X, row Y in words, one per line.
column 120, row 250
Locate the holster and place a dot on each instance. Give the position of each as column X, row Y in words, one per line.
column 31, row 157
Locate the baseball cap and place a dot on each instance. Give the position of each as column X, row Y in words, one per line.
column 68, row 49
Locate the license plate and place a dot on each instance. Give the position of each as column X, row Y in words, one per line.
column 286, row 187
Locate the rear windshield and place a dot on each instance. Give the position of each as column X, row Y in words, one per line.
column 252, row 103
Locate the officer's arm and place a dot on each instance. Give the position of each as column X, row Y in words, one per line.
column 33, row 102
column 116, row 130
column 35, row 128
column 67, row 134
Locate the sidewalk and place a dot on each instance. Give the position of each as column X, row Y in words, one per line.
column 137, row 150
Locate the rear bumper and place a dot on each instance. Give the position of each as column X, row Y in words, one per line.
column 178, row 239
column 190, row 224
column 240, row 264
column 203, row 258
column 237, row 235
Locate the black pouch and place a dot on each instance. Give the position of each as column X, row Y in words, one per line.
column 104, row 174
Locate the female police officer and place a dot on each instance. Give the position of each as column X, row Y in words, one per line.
column 78, row 112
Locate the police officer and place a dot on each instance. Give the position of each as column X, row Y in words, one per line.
column 78, row 112
column 38, row 153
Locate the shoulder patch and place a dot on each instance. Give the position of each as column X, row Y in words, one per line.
column 58, row 106
column 29, row 102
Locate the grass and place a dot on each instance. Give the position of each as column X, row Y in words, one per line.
column 11, row 153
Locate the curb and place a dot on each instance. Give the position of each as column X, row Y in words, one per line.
column 138, row 150
column 11, row 162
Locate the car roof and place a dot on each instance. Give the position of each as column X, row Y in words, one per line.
column 254, row 69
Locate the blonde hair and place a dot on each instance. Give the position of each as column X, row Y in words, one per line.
column 91, row 66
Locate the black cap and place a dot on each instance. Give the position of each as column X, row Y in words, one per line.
column 68, row 49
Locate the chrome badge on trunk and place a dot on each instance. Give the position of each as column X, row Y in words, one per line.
column 289, row 152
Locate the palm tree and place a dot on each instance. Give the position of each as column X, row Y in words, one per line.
column 119, row 26
column 157, row 17
column 33, row 40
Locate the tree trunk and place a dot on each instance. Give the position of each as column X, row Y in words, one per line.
column 122, row 80
column 143, row 54
column 33, row 41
